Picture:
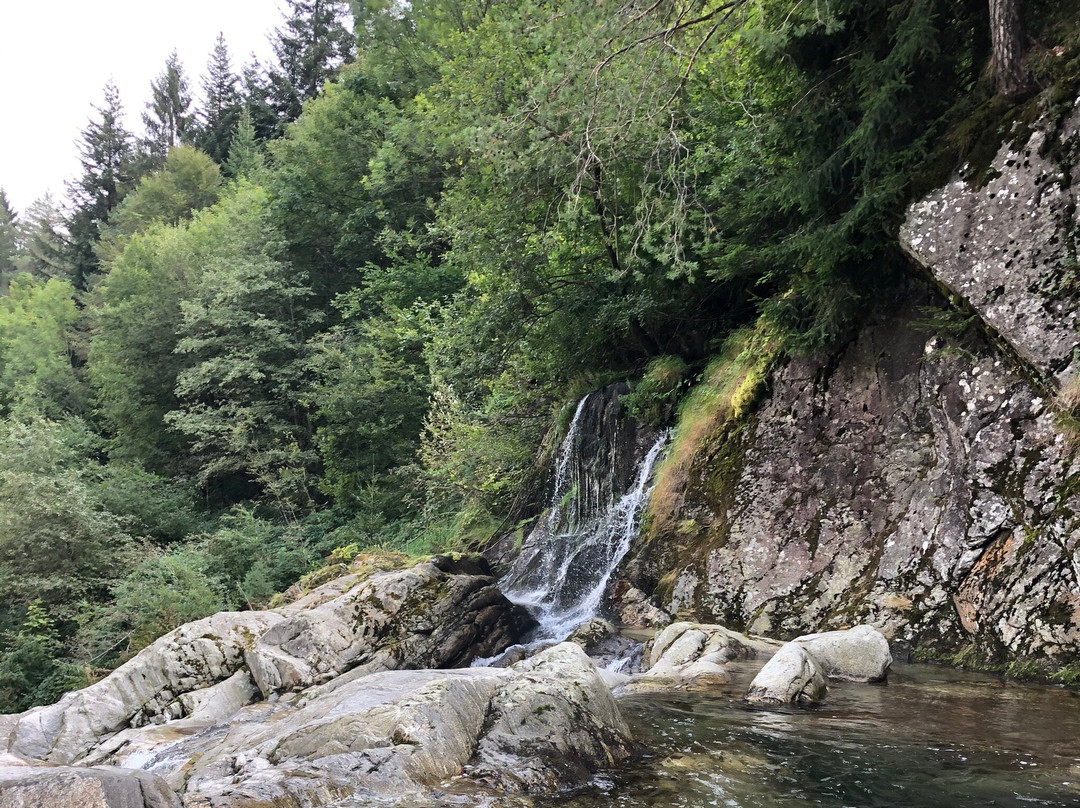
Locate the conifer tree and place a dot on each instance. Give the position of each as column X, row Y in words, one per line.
column 41, row 241
column 313, row 43
column 167, row 120
column 106, row 157
column 218, row 117
column 256, row 99
column 9, row 240
column 245, row 159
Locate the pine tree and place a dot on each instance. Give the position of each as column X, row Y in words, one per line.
column 256, row 98
column 219, row 115
column 9, row 240
column 41, row 241
column 167, row 119
column 245, row 159
column 106, row 157
column 310, row 47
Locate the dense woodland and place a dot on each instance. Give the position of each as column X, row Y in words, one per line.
column 341, row 300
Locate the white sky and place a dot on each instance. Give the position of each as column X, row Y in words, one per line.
column 57, row 55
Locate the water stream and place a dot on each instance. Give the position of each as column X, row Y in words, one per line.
column 569, row 557
column 931, row 738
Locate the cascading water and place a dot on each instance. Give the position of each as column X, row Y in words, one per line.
column 569, row 557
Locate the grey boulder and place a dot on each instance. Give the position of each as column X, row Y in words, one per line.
column 26, row 784
column 859, row 654
column 790, row 677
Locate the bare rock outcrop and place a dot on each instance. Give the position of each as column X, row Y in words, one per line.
column 441, row 613
column 28, row 784
column 396, row 735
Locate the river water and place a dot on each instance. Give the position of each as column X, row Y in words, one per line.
column 930, row 738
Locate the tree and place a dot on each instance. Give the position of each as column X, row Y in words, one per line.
column 105, row 154
column 189, row 181
column 243, row 338
column 256, row 99
column 9, row 240
column 221, row 109
column 1007, row 46
column 313, row 43
column 245, row 159
column 37, row 319
column 43, row 247
column 167, row 119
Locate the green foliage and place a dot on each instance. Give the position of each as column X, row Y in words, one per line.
column 31, row 668
column 243, row 335
column 245, row 160
column 162, row 592
column 37, row 348
column 163, row 509
column 254, row 558
column 652, row 399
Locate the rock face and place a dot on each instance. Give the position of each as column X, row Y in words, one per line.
column 1008, row 247
column 150, row 686
column 914, row 482
column 23, row 785
column 438, row 614
column 792, row 676
column 343, row 718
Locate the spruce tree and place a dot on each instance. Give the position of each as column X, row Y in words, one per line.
column 167, row 120
column 218, row 117
column 245, row 159
column 313, row 43
column 41, row 241
column 9, row 240
column 106, row 157
column 256, row 98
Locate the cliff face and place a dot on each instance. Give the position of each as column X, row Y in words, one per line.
column 917, row 480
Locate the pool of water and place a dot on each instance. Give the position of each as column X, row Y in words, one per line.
column 929, row 738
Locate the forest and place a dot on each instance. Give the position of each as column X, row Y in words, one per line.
column 341, row 301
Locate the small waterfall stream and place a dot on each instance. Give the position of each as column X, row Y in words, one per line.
column 602, row 482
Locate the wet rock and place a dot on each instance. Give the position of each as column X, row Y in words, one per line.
column 551, row 725
column 438, row 614
column 26, row 784
column 792, row 676
column 695, row 652
column 591, row 633
column 859, row 654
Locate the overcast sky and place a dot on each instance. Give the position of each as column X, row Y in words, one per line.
column 57, row 55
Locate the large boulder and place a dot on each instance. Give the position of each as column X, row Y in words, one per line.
column 790, row 677
column 543, row 725
column 695, row 654
column 147, row 688
column 551, row 725
column 441, row 613
column 859, row 654
column 24, row 784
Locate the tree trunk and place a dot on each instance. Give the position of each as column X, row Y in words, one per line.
column 1006, row 62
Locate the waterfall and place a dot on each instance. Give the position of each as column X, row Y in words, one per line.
column 601, row 482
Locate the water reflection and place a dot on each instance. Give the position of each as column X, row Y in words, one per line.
column 930, row 738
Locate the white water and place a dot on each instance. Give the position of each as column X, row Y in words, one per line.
column 570, row 556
